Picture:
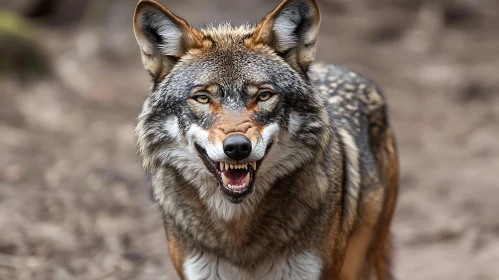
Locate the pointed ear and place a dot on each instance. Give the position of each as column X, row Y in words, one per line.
column 162, row 37
column 291, row 30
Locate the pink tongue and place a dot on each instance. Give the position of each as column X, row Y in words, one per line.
column 235, row 176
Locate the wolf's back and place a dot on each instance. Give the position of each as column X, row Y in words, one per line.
column 359, row 122
column 357, row 112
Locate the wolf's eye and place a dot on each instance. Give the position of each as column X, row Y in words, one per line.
column 202, row 99
column 264, row 96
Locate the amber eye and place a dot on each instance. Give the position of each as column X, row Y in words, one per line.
column 202, row 99
column 264, row 96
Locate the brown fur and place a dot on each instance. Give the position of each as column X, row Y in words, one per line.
column 176, row 252
column 338, row 204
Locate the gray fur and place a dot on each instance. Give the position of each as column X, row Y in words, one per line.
column 320, row 159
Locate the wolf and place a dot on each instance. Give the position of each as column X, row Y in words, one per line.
column 264, row 164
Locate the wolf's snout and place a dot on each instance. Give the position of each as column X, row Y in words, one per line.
column 237, row 147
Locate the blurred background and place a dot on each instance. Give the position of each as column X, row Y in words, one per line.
column 74, row 202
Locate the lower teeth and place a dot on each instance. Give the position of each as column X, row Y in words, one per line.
column 237, row 187
column 225, row 181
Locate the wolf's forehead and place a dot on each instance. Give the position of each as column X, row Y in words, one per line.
column 224, row 67
column 229, row 62
column 227, row 36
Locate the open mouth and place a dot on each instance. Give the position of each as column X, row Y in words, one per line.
column 236, row 179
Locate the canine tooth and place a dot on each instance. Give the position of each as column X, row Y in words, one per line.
column 245, row 166
column 253, row 163
column 225, row 180
column 247, row 179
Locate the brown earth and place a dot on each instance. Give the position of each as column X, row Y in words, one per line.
column 73, row 199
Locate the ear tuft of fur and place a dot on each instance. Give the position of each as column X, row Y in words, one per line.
column 161, row 33
column 291, row 30
column 162, row 37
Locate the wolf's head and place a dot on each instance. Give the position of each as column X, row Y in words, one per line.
column 231, row 109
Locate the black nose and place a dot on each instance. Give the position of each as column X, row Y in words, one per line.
column 237, row 147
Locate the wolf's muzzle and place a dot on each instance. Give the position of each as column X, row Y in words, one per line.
column 237, row 147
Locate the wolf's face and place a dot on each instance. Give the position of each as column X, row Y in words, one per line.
column 231, row 109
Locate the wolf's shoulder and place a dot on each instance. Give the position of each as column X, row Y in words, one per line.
column 357, row 113
column 348, row 95
column 357, row 116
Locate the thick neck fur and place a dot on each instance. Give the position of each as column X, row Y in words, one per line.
column 285, row 214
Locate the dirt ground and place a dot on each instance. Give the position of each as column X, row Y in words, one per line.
column 74, row 202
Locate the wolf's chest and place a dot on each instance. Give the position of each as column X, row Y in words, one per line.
column 306, row 265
